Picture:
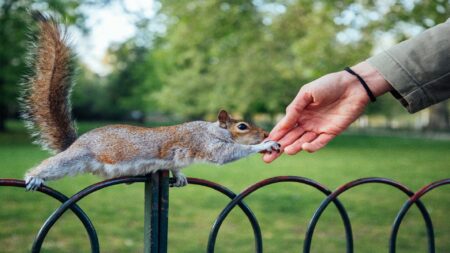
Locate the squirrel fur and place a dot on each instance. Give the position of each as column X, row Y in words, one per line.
column 117, row 150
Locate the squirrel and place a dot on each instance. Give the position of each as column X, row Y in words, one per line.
column 117, row 150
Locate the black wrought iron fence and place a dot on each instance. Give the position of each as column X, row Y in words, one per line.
column 157, row 204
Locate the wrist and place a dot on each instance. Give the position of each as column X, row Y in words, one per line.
column 375, row 81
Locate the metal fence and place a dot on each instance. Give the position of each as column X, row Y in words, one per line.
column 157, row 204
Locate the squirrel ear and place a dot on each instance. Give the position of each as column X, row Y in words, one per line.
column 223, row 118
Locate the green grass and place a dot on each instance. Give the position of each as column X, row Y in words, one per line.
column 283, row 210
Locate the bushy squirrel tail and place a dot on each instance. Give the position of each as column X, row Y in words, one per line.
column 45, row 100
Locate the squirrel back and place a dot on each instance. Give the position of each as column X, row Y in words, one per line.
column 45, row 100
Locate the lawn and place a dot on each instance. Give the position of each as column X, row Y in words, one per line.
column 283, row 210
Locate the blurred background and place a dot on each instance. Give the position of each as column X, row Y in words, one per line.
column 151, row 61
column 163, row 62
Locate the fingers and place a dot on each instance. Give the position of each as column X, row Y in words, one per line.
column 296, row 147
column 288, row 122
column 269, row 157
column 287, row 140
column 291, row 136
column 293, row 112
column 309, row 142
column 318, row 143
column 287, row 130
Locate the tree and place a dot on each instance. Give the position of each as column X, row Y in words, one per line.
column 15, row 23
column 403, row 17
column 133, row 79
column 88, row 95
column 203, row 50
column 242, row 57
column 438, row 118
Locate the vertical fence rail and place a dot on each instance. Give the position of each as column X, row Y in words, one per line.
column 156, row 209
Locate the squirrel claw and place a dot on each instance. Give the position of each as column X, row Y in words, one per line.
column 33, row 183
column 270, row 146
column 180, row 180
column 278, row 149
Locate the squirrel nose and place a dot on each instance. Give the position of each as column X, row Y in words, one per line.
column 266, row 134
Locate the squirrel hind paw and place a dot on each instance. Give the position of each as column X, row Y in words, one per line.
column 33, row 183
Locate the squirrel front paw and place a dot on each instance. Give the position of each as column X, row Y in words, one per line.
column 269, row 146
column 33, row 183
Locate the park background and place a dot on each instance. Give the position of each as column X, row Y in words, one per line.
column 185, row 60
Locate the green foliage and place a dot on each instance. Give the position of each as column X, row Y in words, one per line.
column 398, row 20
column 253, row 57
column 238, row 56
column 133, row 79
column 89, row 95
column 12, row 50
column 246, row 56
column 15, row 24
column 208, row 47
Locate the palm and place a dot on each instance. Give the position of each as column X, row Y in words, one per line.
column 330, row 117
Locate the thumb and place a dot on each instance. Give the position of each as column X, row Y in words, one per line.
column 293, row 112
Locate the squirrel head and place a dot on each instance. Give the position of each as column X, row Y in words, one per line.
column 241, row 131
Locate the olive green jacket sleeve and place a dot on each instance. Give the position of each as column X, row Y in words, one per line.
column 419, row 68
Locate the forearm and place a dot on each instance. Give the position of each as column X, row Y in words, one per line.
column 419, row 68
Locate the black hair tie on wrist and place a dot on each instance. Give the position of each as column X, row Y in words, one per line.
column 364, row 84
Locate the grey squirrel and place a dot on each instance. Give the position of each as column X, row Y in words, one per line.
column 117, row 150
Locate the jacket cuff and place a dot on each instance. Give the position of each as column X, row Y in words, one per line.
column 406, row 89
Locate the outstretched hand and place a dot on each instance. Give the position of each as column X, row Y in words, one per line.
column 323, row 109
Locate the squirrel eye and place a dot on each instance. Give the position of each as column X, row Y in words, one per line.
column 242, row 126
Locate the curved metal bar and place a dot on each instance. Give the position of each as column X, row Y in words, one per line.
column 217, row 224
column 95, row 246
column 51, row 220
column 405, row 208
column 347, row 186
column 93, row 188
column 250, row 215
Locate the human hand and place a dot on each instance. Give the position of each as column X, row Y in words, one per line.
column 323, row 109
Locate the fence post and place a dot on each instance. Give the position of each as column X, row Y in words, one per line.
column 156, row 212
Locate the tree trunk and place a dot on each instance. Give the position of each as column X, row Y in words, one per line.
column 3, row 107
column 438, row 119
column 2, row 119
